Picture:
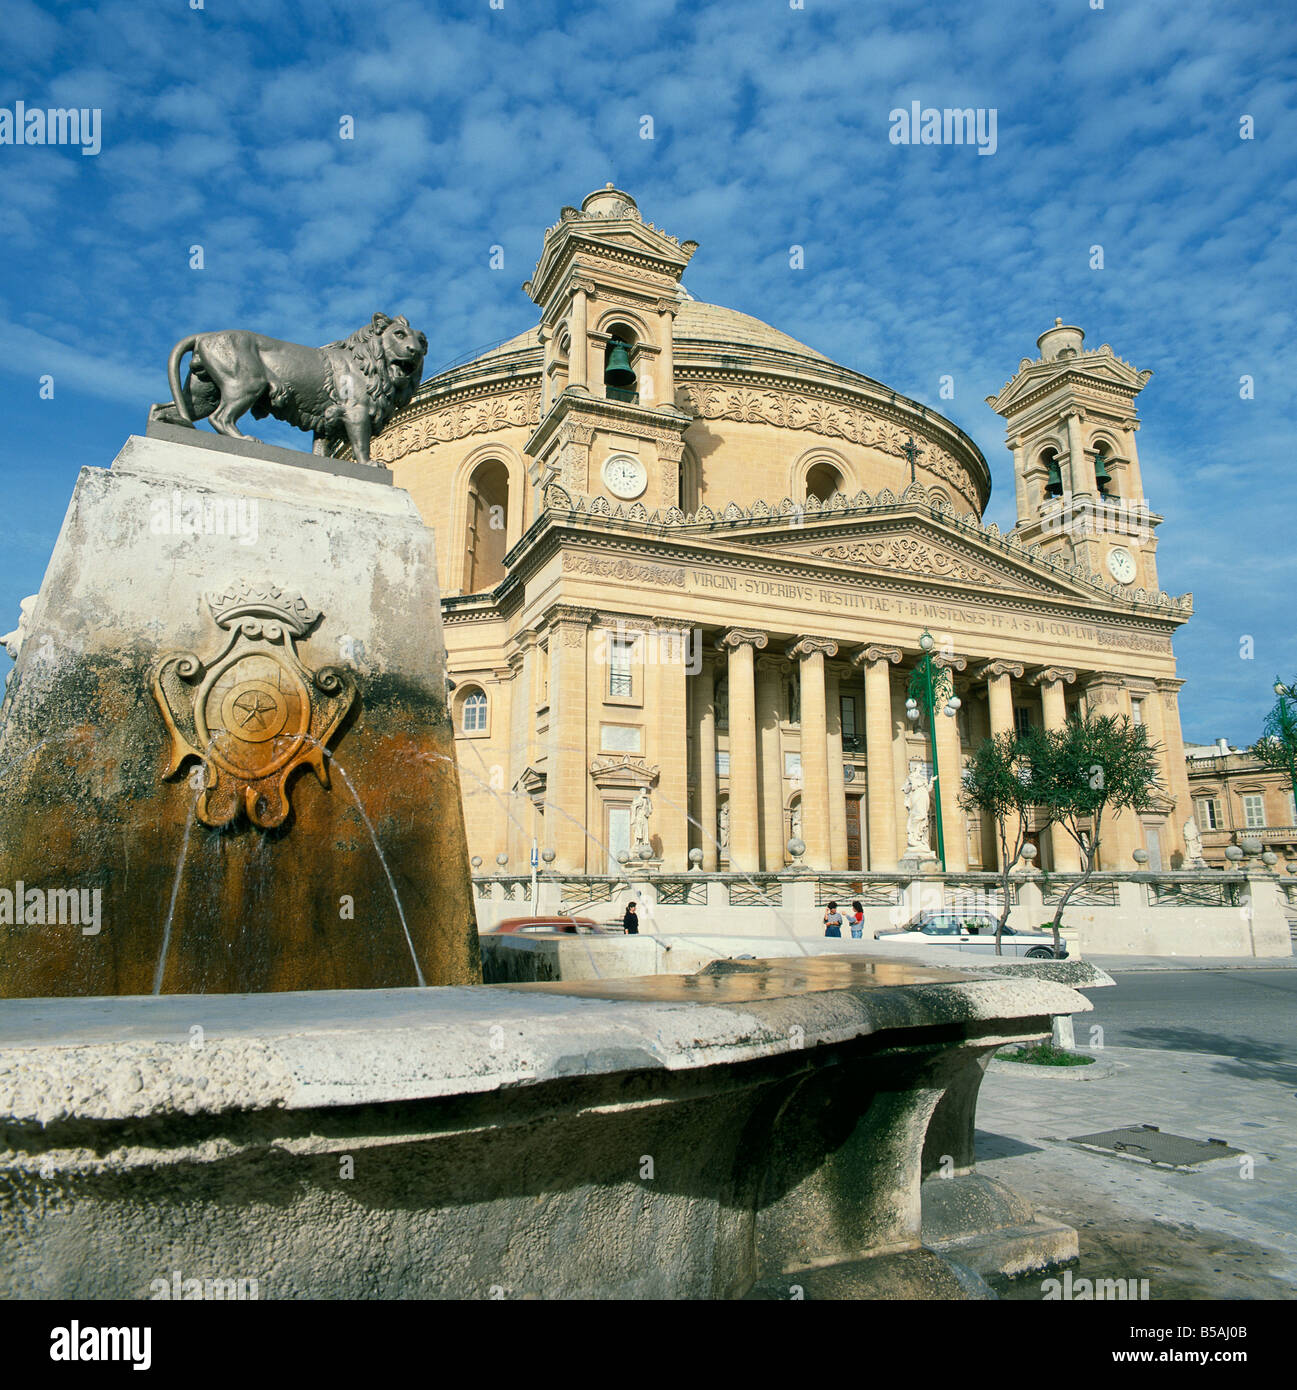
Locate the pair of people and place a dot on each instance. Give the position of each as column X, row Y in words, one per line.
column 833, row 920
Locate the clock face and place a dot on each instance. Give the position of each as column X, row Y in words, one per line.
column 625, row 476
column 1121, row 565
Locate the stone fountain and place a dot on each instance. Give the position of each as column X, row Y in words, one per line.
column 232, row 841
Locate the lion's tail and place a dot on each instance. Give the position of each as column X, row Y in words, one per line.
column 183, row 404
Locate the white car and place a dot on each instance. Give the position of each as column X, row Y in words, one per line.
column 972, row 931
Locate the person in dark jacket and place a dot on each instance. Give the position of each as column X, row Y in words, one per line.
column 630, row 922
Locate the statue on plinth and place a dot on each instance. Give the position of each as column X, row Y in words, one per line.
column 344, row 391
column 640, row 813
column 723, row 829
column 916, row 790
column 1193, row 845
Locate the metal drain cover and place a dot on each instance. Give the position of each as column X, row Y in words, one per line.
column 1148, row 1144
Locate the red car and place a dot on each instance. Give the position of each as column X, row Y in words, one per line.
column 553, row 926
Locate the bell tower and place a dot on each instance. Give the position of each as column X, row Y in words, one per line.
column 1071, row 424
column 608, row 287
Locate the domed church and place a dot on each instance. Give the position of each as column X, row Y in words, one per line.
column 686, row 564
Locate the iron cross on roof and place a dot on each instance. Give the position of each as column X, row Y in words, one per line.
column 911, row 453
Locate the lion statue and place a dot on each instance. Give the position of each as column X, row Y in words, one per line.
column 347, row 390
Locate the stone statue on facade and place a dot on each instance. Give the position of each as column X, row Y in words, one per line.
column 343, row 392
column 917, row 790
column 12, row 641
column 641, row 812
column 1193, row 845
column 723, row 829
column 795, row 821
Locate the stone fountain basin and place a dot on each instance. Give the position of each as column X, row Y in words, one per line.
column 673, row 1136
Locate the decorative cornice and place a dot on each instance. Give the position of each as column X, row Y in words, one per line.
column 815, row 411
column 623, row 769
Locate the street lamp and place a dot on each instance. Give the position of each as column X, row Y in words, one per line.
column 928, row 684
column 1281, row 726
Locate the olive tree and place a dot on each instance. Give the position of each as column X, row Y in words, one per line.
column 1277, row 746
column 997, row 785
column 1096, row 766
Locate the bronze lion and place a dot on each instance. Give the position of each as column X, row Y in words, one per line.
column 345, row 390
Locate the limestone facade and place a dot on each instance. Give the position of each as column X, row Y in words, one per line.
column 1236, row 797
column 707, row 574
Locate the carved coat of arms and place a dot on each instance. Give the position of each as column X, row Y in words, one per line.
column 254, row 713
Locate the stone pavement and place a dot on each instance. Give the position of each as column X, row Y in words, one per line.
column 1209, row 1233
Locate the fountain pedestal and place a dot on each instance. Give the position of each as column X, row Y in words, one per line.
column 226, row 761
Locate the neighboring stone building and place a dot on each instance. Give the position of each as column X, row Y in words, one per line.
column 681, row 550
column 1237, row 798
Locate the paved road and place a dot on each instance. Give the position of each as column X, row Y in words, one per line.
column 1250, row 1015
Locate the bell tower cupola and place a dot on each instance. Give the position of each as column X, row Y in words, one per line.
column 1071, row 424
column 608, row 288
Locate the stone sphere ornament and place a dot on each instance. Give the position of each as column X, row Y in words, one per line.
column 502, row 859
column 548, row 855
column 695, row 858
column 1251, row 846
column 646, row 852
column 1233, row 853
column 476, row 861
column 1270, row 859
column 623, row 856
column 796, row 848
column 1029, row 852
column 1140, row 856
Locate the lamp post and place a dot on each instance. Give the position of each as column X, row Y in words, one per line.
column 927, row 686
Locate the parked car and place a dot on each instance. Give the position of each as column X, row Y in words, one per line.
column 972, row 931
column 554, row 926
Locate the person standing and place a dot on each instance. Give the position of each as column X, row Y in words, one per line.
column 630, row 922
column 857, row 920
column 832, row 920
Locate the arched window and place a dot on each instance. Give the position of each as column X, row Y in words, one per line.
column 1103, row 479
column 472, row 719
column 822, row 481
column 488, row 520
column 620, row 381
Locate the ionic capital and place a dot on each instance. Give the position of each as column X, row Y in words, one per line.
column 951, row 663
column 989, row 670
column 871, row 654
column 741, row 637
column 1049, row 674
column 808, row 646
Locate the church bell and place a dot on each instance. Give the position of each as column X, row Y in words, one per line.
column 1102, row 478
column 617, row 371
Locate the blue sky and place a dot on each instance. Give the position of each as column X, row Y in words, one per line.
column 474, row 125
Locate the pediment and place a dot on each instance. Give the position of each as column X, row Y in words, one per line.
column 926, row 551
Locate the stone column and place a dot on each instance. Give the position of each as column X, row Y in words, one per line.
column 1079, row 467
column 837, row 783
column 1177, row 772
column 1105, row 693
column 577, row 360
column 665, row 388
column 666, row 720
column 809, row 653
column 879, row 772
column 951, row 764
column 999, row 677
column 745, row 837
column 704, row 689
column 566, row 771
column 1053, row 712
column 769, row 679
column 1017, row 444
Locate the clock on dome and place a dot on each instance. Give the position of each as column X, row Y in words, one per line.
column 1121, row 565
column 625, row 476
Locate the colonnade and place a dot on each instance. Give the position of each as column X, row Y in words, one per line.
column 755, row 665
